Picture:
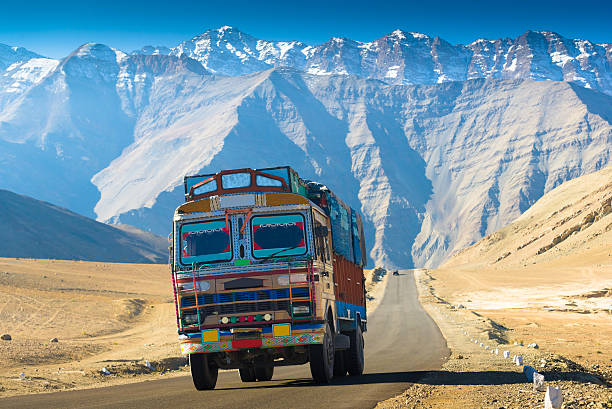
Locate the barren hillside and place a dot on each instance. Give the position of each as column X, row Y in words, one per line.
column 573, row 220
column 36, row 229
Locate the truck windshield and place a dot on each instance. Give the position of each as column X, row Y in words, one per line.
column 282, row 234
column 205, row 242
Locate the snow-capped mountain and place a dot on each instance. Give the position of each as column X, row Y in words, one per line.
column 77, row 119
column 19, row 70
column 436, row 144
column 11, row 55
column 409, row 58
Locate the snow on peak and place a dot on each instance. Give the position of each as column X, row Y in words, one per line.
column 399, row 34
column 152, row 50
column 419, row 35
column 98, row 51
column 12, row 54
column 481, row 41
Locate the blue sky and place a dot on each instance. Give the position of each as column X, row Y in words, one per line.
column 55, row 28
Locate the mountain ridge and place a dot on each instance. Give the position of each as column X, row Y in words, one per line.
column 391, row 58
column 402, row 57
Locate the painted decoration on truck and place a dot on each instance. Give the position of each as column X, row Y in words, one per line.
column 205, row 242
column 278, row 235
column 300, row 339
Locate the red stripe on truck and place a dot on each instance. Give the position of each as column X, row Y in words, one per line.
column 246, row 343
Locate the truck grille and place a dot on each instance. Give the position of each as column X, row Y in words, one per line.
column 262, row 300
column 248, row 307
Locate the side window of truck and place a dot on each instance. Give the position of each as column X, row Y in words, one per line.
column 321, row 245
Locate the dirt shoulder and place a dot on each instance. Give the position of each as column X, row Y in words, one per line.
column 376, row 282
column 476, row 377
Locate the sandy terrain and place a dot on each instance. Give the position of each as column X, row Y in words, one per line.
column 104, row 315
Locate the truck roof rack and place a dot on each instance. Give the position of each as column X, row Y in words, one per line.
column 278, row 179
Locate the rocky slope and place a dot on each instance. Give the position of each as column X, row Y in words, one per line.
column 435, row 157
column 572, row 219
column 35, row 229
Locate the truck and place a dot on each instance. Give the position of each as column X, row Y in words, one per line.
column 267, row 271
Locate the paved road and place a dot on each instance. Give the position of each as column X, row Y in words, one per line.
column 401, row 342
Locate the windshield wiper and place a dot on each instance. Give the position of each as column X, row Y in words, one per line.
column 280, row 251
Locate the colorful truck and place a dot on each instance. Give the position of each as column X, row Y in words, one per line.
column 267, row 271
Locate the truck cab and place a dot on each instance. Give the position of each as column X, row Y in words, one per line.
column 267, row 271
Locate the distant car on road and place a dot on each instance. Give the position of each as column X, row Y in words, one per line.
column 395, row 273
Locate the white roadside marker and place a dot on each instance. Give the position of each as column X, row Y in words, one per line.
column 553, row 398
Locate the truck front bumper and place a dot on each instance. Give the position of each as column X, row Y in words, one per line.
column 282, row 336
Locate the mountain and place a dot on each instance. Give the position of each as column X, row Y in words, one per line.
column 433, row 159
column 80, row 116
column 11, row 55
column 432, row 167
column 573, row 222
column 410, row 58
column 35, row 229
column 19, row 70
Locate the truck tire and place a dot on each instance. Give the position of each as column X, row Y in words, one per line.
column 203, row 372
column 264, row 373
column 247, row 374
column 354, row 355
column 339, row 365
column 322, row 358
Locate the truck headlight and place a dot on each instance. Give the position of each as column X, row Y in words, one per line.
column 301, row 309
column 201, row 286
column 295, row 278
column 299, row 278
column 190, row 319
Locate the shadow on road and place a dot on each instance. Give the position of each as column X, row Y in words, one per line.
column 420, row 377
column 473, row 378
column 501, row 377
column 367, row 379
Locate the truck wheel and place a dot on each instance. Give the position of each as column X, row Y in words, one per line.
column 354, row 355
column 247, row 374
column 203, row 372
column 322, row 358
column 339, row 364
column 264, row 373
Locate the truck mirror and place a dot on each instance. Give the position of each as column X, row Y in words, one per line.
column 321, row 231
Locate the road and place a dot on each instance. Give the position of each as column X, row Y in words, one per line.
column 402, row 343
